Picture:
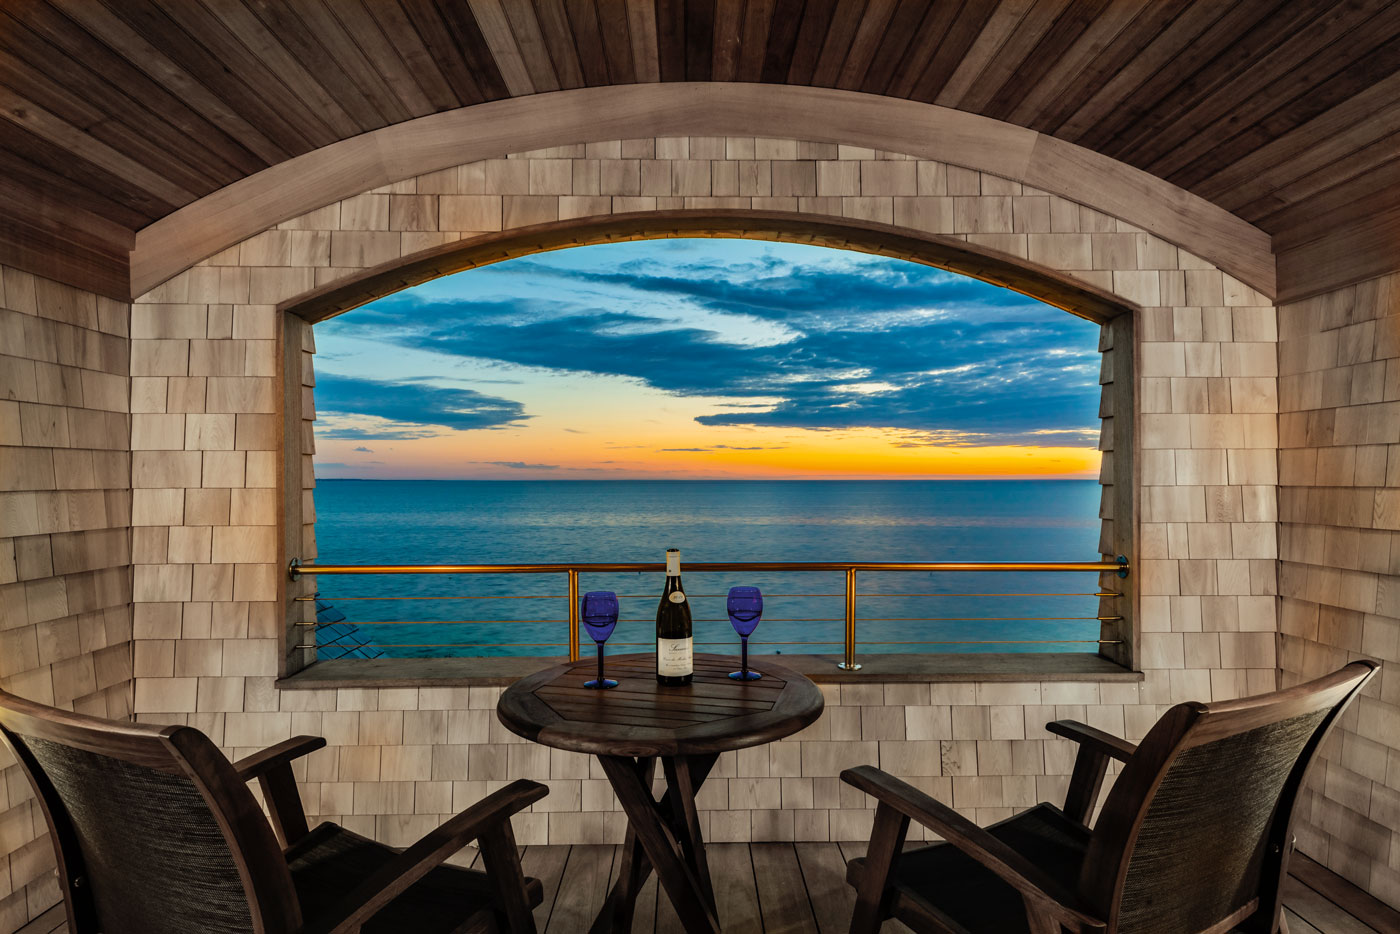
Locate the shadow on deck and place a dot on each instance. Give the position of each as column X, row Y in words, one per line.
column 800, row 888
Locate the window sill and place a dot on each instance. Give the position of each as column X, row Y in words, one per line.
column 877, row 669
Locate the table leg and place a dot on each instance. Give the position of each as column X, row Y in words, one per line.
column 619, row 908
column 661, row 845
column 680, row 793
column 632, row 872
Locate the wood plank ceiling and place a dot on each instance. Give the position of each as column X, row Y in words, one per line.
column 114, row 113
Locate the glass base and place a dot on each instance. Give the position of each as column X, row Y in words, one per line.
column 745, row 676
column 601, row 685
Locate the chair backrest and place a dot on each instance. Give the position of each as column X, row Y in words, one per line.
column 152, row 828
column 1195, row 834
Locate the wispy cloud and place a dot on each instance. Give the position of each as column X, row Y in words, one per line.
column 877, row 344
column 723, row 447
column 520, row 465
column 406, row 409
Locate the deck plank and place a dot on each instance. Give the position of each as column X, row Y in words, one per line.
column 1319, row 912
column 1361, row 905
column 850, row 851
column 782, row 891
column 1297, row 925
column 545, row 863
column 53, row 921
column 582, row 888
column 644, row 918
column 824, row 874
column 667, row 921
column 777, row 887
column 731, row 871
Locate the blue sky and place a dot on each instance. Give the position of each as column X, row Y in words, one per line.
column 706, row 358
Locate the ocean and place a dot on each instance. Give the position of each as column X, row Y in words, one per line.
column 491, row 522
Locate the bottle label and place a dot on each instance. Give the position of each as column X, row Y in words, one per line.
column 677, row 597
column 674, row 657
column 673, row 563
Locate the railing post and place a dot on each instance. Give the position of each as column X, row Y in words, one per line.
column 573, row 615
column 850, row 663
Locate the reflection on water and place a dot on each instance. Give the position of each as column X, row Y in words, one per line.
column 484, row 522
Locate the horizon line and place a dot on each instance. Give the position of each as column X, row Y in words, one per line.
column 941, row 479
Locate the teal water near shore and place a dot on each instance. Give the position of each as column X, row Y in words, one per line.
column 489, row 522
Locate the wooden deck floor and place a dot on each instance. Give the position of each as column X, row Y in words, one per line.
column 765, row 888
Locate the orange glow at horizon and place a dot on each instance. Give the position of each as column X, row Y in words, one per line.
column 792, row 453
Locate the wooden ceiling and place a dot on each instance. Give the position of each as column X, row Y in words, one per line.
column 114, row 113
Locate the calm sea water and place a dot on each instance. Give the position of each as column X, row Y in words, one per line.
column 471, row 522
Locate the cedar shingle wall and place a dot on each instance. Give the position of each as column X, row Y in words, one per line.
column 65, row 547
column 1218, row 465
column 1339, row 573
column 204, row 441
column 400, row 760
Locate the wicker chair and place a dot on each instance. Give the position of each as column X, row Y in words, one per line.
column 156, row 831
column 1194, row 837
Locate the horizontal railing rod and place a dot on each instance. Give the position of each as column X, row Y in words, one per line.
column 766, row 619
column 850, row 569
column 297, row 570
column 1057, row 593
column 470, row 645
column 697, row 596
column 547, row 596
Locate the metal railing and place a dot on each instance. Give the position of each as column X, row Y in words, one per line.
column 851, row 569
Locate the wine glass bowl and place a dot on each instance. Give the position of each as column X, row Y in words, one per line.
column 745, row 607
column 598, row 612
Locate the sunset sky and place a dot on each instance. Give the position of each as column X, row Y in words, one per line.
column 725, row 359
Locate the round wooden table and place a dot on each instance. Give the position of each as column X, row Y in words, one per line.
column 631, row 726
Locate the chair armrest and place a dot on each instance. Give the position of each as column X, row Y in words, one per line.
column 1089, row 738
column 1090, row 765
column 1037, row 887
column 272, row 767
column 260, row 763
column 489, row 817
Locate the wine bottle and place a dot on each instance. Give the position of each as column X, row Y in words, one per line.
column 675, row 663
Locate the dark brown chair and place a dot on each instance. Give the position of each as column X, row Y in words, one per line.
column 1194, row 836
column 156, row 831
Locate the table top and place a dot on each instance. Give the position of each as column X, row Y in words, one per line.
column 642, row 718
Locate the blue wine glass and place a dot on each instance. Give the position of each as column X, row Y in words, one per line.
column 745, row 610
column 599, row 614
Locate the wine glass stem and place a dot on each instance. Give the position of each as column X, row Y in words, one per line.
column 744, row 656
column 600, row 664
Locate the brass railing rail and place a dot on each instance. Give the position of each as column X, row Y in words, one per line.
column 297, row 569
column 850, row 569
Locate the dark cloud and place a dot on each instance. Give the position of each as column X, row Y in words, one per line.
column 776, row 289
column 386, row 432
column 888, row 345
column 520, row 465
column 364, row 450
column 413, row 408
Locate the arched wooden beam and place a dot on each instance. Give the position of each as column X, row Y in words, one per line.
column 1040, row 282
column 492, row 130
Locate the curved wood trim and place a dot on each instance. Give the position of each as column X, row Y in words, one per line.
column 492, row 130
column 1040, row 282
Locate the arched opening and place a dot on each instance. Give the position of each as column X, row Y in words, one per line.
column 1112, row 314
column 946, row 252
